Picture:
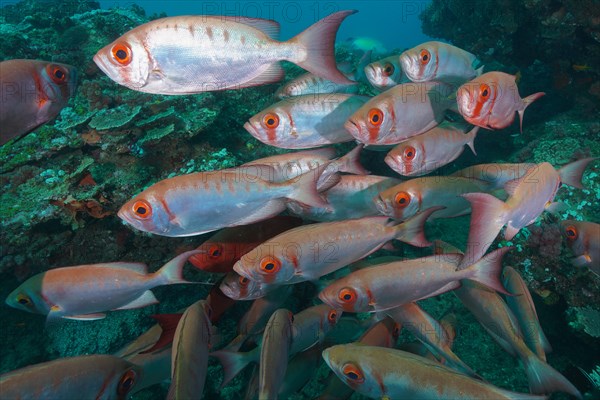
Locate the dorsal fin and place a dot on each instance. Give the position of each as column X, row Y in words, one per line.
column 267, row 26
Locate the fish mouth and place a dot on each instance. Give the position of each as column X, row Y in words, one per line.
column 407, row 62
column 464, row 101
column 395, row 164
column 353, row 128
column 248, row 126
column 239, row 268
column 381, row 206
column 371, row 73
column 101, row 62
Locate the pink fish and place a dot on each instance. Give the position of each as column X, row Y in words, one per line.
column 496, row 175
column 399, row 113
column 385, row 73
column 32, row 93
column 429, row 151
column 438, row 61
column 275, row 352
column 491, row 100
column 84, row 292
column 305, row 122
column 193, row 54
column 584, row 240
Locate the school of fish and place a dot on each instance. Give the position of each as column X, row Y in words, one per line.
column 337, row 216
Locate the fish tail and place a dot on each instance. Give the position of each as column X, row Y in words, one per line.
column 526, row 102
column 572, row 173
column 488, row 270
column 488, row 216
column 172, row 272
column 318, row 41
column 412, row 230
column 234, row 362
column 545, row 379
column 471, row 136
column 168, row 324
column 351, row 162
column 305, row 187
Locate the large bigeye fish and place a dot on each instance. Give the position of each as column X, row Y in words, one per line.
column 381, row 373
column 584, row 240
column 84, row 292
column 202, row 202
column 385, row 73
column 193, row 54
column 307, row 121
column 437, row 61
column 32, row 93
column 401, row 112
column 491, row 100
column 100, row 377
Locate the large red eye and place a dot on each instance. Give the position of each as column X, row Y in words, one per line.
column 121, row 53
column 142, row 209
column 332, row 316
column 270, row 265
column 402, row 199
column 375, row 116
column 271, row 120
column 409, row 153
column 353, row 373
column 57, row 73
column 388, row 69
column 484, row 91
column 347, row 295
column 243, row 281
column 126, row 383
column 571, row 232
column 215, row 251
column 424, row 56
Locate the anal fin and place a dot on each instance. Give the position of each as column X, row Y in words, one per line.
column 147, row 298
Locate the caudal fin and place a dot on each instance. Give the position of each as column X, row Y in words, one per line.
column 305, row 186
column 545, row 379
column 412, row 231
column 488, row 270
column 488, row 216
column 526, row 102
column 572, row 173
column 318, row 41
column 234, row 362
column 172, row 272
column 350, row 162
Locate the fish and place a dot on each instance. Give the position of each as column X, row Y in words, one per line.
column 385, row 73
column 311, row 251
column 202, row 202
column 495, row 174
column 521, row 304
column 33, row 92
column 85, row 292
column 386, row 286
column 201, row 53
column 399, row 113
column 448, row 326
column 239, row 287
column 409, row 197
column 430, row 151
column 225, row 247
column 584, row 240
column 438, row 61
column 305, row 122
column 528, row 197
column 301, row 368
column 350, row 198
column 274, row 355
column 189, row 355
column 381, row 373
column 491, row 100
column 95, row 376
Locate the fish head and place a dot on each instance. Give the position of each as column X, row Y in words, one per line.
column 372, row 122
column 407, row 158
column 271, row 126
column 126, row 62
column 239, row 287
column 215, row 256
column 399, row 202
column 344, row 296
column 58, row 83
column 268, row 263
column 28, row 296
column 119, row 378
column 477, row 101
column 575, row 236
column 384, row 73
column 346, row 362
column 146, row 212
column 420, row 63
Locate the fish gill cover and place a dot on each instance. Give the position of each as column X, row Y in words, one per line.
column 64, row 183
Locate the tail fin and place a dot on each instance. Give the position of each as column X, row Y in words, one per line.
column 168, row 324
column 526, row 102
column 572, row 173
column 545, row 379
column 305, row 187
column 488, row 216
column 172, row 272
column 488, row 270
column 318, row 40
column 472, row 135
column 412, row 230
column 233, row 362
column 350, row 162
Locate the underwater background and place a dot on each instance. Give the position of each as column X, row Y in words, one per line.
column 63, row 184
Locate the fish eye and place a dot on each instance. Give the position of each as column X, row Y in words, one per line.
column 23, row 299
column 353, row 373
column 484, row 91
column 57, row 73
column 121, row 52
column 270, row 265
column 388, row 69
column 127, row 382
column 243, row 281
column 271, row 120
column 375, row 116
column 214, row 251
column 402, row 199
column 142, row 209
column 347, row 295
column 332, row 316
column 571, row 232
column 424, row 56
column 409, row 153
